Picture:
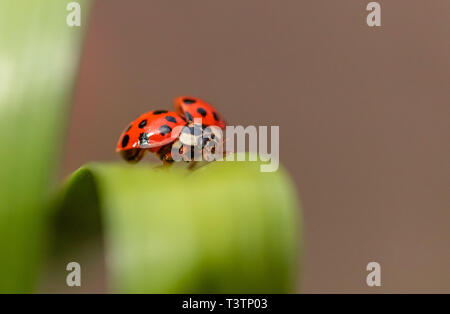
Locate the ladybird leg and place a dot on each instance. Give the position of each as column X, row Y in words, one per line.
column 164, row 154
column 166, row 157
column 167, row 162
column 133, row 155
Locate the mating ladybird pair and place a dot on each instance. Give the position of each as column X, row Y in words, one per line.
column 160, row 131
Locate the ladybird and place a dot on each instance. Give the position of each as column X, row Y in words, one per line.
column 191, row 108
column 158, row 131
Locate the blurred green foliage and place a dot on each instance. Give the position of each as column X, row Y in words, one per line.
column 38, row 61
column 224, row 228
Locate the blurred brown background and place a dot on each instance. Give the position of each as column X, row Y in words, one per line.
column 363, row 115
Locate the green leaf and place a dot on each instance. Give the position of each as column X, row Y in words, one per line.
column 38, row 58
column 224, row 228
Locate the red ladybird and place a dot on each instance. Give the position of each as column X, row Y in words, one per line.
column 157, row 131
column 191, row 108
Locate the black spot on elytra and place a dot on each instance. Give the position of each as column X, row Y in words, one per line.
column 143, row 123
column 171, row 119
column 159, row 111
column 125, row 140
column 189, row 101
column 202, row 112
column 216, row 116
column 189, row 117
column 164, row 129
